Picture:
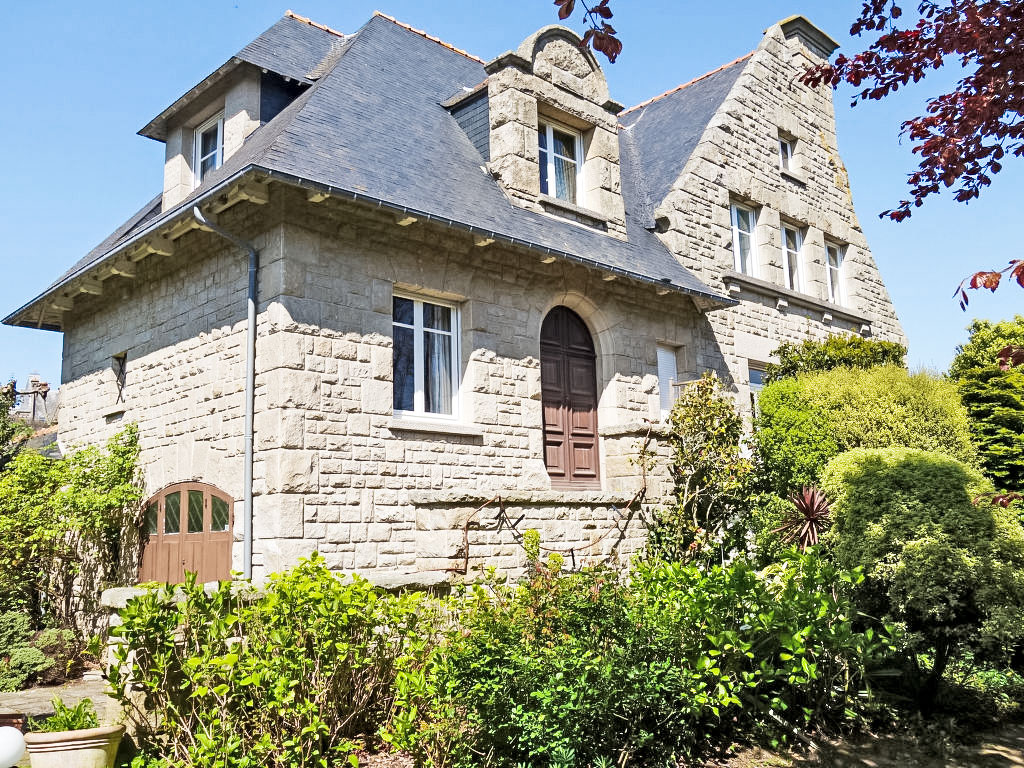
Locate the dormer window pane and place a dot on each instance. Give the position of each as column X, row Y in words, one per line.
column 209, row 148
column 559, row 160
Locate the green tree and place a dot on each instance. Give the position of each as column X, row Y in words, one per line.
column 994, row 398
column 710, row 473
column 986, row 339
column 949, row 571
column 10, row 429
column 812, row 355
column 807, row 420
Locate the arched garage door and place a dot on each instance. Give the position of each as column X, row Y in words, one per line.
column 187, row 527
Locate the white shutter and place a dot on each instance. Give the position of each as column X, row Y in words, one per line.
column 667, row 374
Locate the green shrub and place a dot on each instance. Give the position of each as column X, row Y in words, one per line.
column 710, row 474
column 20, row 665
column 811, row 356
column 34, row 657
column 64, row 525
column 590, row 668
column 806, row 421
column 65, row 718
column 290, row 676
column 950, row 572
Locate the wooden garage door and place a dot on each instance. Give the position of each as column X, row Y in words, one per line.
column 569, row 397
column 187, row 527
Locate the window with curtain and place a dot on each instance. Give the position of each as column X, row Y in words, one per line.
column 426, row 372
column 744, row 220
column 560, row 156
column 792, row 240
column 834, row 271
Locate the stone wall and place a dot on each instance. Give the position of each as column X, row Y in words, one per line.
column 334, row 470
column 737, row 161
column 337, row 471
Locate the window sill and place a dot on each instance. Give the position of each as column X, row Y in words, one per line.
column 555, row 496
column 115, row 409
column 582, row 215
column 794, row 176
column 434, row 427
column 765, row 288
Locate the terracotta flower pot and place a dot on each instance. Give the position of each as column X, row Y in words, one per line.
column 88, row 748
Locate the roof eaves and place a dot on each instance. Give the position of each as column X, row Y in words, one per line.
column 713, row 299
column 157, row 127
column 184, row 209
column 180, row 211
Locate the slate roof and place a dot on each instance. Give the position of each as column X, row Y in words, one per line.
column 292, row 47
column 373, row 127
column 663, row 132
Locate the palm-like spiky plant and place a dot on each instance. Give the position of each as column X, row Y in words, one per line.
column 808, row 518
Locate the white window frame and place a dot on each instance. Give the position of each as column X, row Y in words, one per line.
column 835, row 284
column 793, row 282
column 549, row 127
column 197, row 146
column 666, row 388
column 752, row 261
column 787, row 155
column 419, row 392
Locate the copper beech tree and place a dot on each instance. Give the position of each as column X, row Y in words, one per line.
column 966, row 134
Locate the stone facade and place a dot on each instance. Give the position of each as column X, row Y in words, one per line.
column 334, row 469
column 737, row 161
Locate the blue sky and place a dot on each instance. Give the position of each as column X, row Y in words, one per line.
column 81, row 79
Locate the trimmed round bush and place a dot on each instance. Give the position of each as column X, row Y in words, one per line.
column 950, row 571
column 807, row 420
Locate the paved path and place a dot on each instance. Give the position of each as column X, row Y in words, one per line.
column 36, row 702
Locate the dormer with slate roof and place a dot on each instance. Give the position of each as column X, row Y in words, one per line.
column 211, row 122
column 553, row 141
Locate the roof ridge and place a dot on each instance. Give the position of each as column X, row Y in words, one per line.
column 430, row 37
column 306, row 20
column 669, row 92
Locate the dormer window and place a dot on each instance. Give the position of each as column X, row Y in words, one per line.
column 209, row 147
column 561, row 152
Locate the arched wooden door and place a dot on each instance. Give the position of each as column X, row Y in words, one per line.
column 187, row 527
column 568, row 378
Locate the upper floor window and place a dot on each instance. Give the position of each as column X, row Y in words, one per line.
column 426, row 360
column 834, row 255
column 561, row 156
column 208, row 153
column 786, row 154
column 792, row 240
column 744, row 221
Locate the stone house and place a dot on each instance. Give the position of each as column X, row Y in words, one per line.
column 387, row 282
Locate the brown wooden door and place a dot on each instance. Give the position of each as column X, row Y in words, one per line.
column 568, row 379
column 187, row 527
